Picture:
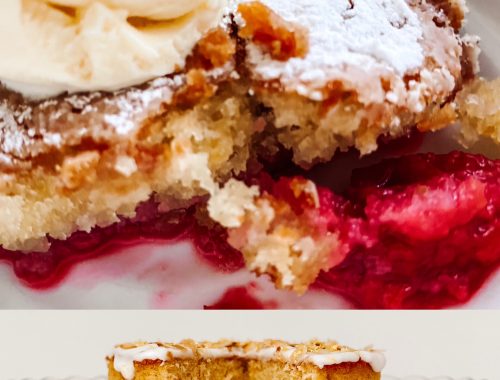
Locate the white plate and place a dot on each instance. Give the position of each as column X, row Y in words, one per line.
column 172, row 276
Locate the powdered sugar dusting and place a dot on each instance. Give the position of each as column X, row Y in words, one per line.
column 28, row 129
column 366, row 34
column 10, row 139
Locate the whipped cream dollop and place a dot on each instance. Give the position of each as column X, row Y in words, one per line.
column 50, row 47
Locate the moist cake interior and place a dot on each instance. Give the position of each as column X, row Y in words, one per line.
column 237, row 369
column 245, row 360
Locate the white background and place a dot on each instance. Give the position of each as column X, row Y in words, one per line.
column 458, row 344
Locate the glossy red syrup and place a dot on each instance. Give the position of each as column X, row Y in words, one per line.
column 239, row 298
column 46, row 270
column 424, row 232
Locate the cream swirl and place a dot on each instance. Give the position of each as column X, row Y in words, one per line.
column 153, row 9
column 85, row 45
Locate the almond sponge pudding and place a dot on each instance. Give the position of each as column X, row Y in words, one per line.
column 108, row 107
column 248, row 360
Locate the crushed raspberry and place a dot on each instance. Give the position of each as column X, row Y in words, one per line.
column 429, row 236
column 421, row 231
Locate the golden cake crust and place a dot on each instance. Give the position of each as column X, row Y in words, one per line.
column 350, row 104
column 236, row 369
column 241, row 360
column 44, row 132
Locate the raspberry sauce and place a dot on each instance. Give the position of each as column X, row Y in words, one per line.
column 44, row 270
column 423, row 231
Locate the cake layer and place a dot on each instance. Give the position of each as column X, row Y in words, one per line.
column 250, row 360
column 236, row 369
column 371, row 69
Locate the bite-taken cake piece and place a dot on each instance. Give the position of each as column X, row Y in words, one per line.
column 358, row 69
column 243, row 360
column 88, row 135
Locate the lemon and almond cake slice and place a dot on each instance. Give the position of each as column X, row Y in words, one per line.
column 243, row 360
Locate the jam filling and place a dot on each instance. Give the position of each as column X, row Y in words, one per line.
column 423, row 231
column 43, row 270
column 426, row 232
column 238, row 298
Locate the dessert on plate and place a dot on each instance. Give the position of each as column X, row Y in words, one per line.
column 184, row 110
column 243, row 360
